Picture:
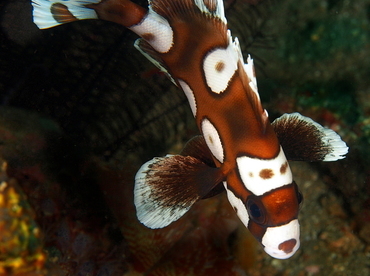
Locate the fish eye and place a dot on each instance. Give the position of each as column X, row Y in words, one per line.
column 255, row 212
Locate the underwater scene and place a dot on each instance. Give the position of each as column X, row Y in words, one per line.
column 107, row 168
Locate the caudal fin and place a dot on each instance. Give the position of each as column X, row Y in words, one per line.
column 50, row 13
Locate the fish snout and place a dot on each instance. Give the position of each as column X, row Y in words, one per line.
column 282, row 242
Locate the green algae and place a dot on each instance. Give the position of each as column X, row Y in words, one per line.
column 336, row 96
column 325, row 38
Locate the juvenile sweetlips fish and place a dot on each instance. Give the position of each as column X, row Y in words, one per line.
column 238, row 150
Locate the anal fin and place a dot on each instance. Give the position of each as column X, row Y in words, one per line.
column 303, row 139
column 153, row 56
column 166, row 188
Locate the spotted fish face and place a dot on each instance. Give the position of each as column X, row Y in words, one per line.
column 267, row 202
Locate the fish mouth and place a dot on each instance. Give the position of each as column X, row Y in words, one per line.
column 281, row 242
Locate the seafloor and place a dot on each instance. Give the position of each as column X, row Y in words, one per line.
column 81, row 110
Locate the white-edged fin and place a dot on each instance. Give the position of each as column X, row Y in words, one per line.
column 303, row 139
column 166, row 188
column 50, row 13
column 249, row 69
column 147, row 50
column 213, row 7
column 169, row 8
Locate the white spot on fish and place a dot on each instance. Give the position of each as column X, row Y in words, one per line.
column 219, row 67
column 158, row 29
column 212, row 139
column 267, row 171
column 190, row 95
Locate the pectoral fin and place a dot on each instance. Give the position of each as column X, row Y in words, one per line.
column 166, row 187
column 197, row 147
column 303, row 139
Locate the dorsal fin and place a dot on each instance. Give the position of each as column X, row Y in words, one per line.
column 153, row 56
column 250, row 84
column 170, row 8
column 248, row 77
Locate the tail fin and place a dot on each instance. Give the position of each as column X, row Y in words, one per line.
column 50, row 13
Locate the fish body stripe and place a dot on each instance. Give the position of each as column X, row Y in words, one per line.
column 263, row 175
